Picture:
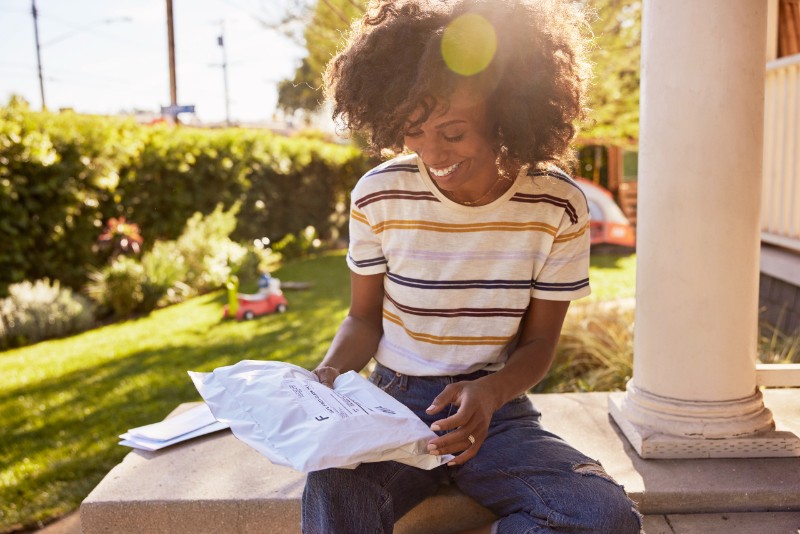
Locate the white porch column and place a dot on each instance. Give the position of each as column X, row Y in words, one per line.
column 702, row 99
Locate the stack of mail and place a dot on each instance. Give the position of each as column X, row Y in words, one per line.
column 190, row 424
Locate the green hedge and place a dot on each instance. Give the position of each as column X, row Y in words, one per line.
column 62, row 176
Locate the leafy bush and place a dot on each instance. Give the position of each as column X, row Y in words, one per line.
column 201, row 259
column 120, row 237
column 120, row 287
column 58, row 176
column 165, row 270
column 62, row 176
column 41, row 310
column 250, row 266
column 207, row 249
column 293, row 246
column 283, row 184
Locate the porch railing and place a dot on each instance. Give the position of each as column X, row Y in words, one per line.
column 780, row 200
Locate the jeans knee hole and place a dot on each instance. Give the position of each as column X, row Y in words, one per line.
column 592, row 469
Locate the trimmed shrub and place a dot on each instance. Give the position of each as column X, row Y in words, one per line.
column 58, row 176
column 63, row 176
column 35, row 311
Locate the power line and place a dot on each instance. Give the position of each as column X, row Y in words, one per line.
column 91, row 28
column 253, row 15
column 17, row 64
column 62, row 76
column 85, row 28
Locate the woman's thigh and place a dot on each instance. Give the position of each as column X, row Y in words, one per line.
column 374, row 495
column 369, row 498
column 536, row 482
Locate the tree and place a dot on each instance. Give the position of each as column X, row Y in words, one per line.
column 302, row 92
column 613, row 96
column 324, row 33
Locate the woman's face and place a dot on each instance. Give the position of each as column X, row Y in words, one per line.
column 457, row 148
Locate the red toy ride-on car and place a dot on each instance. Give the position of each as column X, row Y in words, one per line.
column 269, row 299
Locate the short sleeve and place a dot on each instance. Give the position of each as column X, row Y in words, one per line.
column 365, row 253
column 565, row 274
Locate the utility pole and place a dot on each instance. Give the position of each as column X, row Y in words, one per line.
column 221, row 43
column 173, row 86
column 38, row 52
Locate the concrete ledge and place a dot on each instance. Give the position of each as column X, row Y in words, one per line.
column 218, row 484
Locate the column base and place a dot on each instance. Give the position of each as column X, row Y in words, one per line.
column 654, row 444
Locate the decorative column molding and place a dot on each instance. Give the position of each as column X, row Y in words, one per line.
column 706, row 419
column 698, row 235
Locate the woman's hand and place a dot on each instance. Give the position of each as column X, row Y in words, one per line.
column 477, row 402
column 326, row 375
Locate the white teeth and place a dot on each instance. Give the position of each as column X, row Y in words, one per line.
column 444, row 172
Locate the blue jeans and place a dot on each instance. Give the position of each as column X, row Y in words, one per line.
column 531, row 479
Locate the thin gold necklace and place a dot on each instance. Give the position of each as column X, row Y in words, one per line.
column 500, row 178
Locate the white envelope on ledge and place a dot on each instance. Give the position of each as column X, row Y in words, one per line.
column 283, row 412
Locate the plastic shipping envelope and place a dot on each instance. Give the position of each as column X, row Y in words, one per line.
column 283, row 412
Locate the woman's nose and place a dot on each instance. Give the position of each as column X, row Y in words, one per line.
column 432, row 152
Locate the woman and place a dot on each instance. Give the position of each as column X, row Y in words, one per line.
column 465, row 253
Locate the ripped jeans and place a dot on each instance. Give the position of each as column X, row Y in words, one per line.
column 531, row 479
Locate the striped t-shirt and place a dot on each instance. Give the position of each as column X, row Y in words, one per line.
column 459, row 278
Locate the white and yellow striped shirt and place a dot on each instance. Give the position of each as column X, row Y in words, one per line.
column 459, row 278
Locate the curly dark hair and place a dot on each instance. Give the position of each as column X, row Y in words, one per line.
column 392, row 66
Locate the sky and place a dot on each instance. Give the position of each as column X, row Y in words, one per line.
column 111, row 56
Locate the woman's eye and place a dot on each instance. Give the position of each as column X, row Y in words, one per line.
column 416, row 133
column 454, row 138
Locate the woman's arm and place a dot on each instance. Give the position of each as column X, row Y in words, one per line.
column 357, row 339
column 479, row 399
column 531, row 360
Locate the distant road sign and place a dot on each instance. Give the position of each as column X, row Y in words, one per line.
column 174, row 110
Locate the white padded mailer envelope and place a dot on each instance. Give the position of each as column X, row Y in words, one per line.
column 283, row 412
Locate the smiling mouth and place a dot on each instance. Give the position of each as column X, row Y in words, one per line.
column 441, row 173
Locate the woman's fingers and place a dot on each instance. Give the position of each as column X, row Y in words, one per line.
column 456, row 441
column 326, row 375
column 466, row 429
column 448, row 396
column 458, row 419
column 463, row 432
column 465, row 456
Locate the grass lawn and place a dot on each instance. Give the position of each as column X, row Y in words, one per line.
column 613, row 277
column 63, row 402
